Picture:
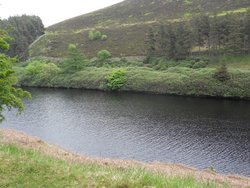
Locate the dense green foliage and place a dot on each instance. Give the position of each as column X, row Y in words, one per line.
column 10, row 97
column 103, row 54
column 28, row 168
column 39, row 72
column 23, row 30
column 116, row 79
column 194, row 76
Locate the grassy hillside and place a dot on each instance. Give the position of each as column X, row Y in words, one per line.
column 131, row 12
column 125, row 25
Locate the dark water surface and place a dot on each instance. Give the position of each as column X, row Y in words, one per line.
column 198, row 132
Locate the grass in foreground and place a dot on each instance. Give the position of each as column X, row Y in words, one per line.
column 27, row 168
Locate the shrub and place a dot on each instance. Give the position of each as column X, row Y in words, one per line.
column 34, row 68
column 116, row 79
column 49, row 71
column 91, row 35
column 39, row 73
column 147, row 60
column 124, row 60
column 200, row 64
column 97, row 35
column 222, row 73
column 161, row 65
column 104, row 37
column 103, row 54
column 198, row 59
column 186, row 63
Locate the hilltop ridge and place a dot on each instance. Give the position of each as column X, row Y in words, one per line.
column 139, row 11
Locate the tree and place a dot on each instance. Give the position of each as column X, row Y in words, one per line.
column 183, row 41
column 24, row 30
column 247, row 32
column 223, row 26
column 162, row 40
column 10, row 97
column 214, row 35
column 150, row 45
column 170, row 48
column 75, row 61
column 202, row 29
column 235, row 40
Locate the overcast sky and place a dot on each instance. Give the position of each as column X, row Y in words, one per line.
column 51, row 11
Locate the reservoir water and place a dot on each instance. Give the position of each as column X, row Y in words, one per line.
column 194, row 131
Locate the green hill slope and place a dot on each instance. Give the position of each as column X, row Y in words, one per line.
column 125, row 25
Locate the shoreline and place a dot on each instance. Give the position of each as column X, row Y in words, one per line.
column 232, row 98
column 13, row 137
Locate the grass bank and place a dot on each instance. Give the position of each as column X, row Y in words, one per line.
column 194, row 77
column 27, row 168
column 29, row 162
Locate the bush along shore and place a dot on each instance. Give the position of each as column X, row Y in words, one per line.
column 195, row 76
column 30, row 162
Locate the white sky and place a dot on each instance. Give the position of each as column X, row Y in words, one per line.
column 51, row 11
